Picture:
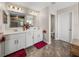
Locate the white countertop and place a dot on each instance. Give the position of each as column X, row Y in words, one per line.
column 12, row 32
column 15, row 31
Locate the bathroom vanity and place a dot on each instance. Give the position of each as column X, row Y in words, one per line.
column 11, row 24
column 17, row 40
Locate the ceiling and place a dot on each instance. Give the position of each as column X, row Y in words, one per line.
column 40, row 5
column 60, row 5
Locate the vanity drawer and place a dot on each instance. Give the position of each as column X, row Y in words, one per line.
column 16, row 36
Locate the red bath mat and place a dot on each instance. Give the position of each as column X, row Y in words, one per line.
column 40, row 45
column 20, row 53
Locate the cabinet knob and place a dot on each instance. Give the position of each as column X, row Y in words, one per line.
column 17, row 41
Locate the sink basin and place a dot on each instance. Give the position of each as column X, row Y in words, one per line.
column 15, row 30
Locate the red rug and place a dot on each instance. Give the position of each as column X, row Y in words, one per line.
column 20, row 53
column 40, row 45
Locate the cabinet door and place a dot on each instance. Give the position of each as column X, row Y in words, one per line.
column 35, row 37
column 38, row 36
column 35, row 33
column 1, row 49
column 10, row 45
column 21, row 41
column 29, row 38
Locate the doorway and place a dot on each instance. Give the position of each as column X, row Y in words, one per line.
column 53, row 26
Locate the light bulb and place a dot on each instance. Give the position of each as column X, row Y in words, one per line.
column 19, row 8
column 11, row 6
column 15, row 8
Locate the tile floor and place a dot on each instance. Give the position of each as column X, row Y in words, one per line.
column 57, row 48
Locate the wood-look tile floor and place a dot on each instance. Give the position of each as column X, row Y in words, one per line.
column 57, row 48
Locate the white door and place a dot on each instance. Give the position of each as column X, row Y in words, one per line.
column 64, row 26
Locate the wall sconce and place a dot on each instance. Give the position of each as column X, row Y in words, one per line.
column 33, row 13
column 14, row 8
column 19, row 9
column 11, row 6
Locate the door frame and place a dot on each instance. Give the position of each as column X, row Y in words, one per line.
column 51, row 23
column 70, row 30
column 50, row 27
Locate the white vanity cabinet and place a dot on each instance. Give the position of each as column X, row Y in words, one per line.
column 29, row 38
column 17, row 41
column 33, row 35
column 20, row 40
column 38, row 35
column 14, row 42
column 1, row 49
column 10, row 45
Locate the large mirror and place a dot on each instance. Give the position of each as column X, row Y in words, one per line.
column 16, row 19
column 30, row 19
column 4, row 17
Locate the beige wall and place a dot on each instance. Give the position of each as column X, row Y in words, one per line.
column 44, row 22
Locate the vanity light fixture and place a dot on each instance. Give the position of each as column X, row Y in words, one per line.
column 10, row 6
column 14, row 8
column 17, row 8
column 33, row 13
column 20, row 9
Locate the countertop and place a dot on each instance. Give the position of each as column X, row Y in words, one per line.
column 12, row 32
column 16, row 31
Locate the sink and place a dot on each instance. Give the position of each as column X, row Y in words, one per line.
column 15, row 30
